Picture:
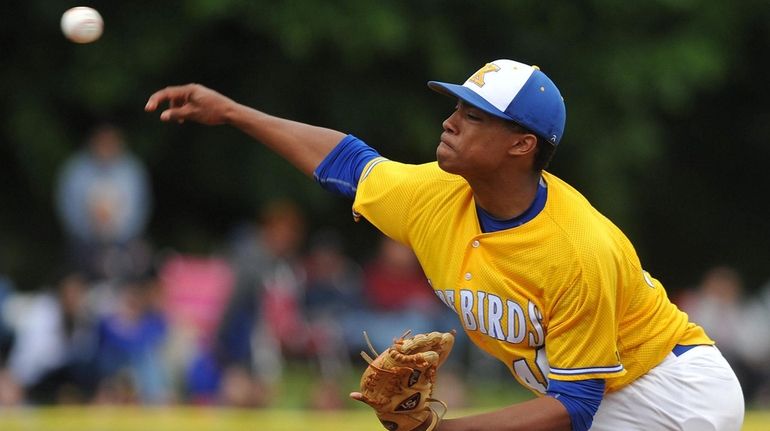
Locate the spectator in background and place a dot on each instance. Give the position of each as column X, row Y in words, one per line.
column 196, row 290
column 53, row 349
column 334, row 290
column 720, row 306
column 334, row 280
column 396, row 296
column 759, row 312
column 263, row 321
column 10, row 391
column 103, row 200
column 131, row 340
column 7, row 289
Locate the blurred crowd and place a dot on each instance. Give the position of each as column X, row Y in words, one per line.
column 125, row 324
column 738, row 320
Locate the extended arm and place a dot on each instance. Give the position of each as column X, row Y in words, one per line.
column 303, row 145
column 540, row 414
column 578, row 399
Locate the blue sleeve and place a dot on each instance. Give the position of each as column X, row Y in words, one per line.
column 581, row 398
column 340, row 171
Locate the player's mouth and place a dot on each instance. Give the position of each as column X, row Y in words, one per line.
column 445, row 142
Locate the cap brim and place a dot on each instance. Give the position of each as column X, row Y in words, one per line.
column 468, row 96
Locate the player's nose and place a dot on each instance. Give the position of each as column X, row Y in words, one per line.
column 449, row 124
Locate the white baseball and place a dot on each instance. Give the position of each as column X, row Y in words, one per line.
column 82, row 24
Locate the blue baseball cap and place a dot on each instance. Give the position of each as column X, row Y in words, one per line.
column 515, row 92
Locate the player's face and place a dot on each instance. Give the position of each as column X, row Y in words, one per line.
column 474, row 143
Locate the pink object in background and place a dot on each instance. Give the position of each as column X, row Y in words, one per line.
column 197, row 290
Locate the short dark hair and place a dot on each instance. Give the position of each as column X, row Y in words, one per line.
column 543, row 152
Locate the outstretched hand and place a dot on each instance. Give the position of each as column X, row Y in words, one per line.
column 303, row 145
column 191, row 102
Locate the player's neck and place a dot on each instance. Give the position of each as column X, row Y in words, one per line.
column 507, row 198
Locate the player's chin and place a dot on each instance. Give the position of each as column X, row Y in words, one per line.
column 443, row 152
column 445, row 164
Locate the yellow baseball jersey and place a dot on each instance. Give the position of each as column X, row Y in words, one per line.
column 562, row 296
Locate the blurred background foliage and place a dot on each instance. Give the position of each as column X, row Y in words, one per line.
column 667, row 127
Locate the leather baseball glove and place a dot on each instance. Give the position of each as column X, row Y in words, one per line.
column 398, row 383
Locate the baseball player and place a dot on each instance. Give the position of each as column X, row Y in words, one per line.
column 538, row 277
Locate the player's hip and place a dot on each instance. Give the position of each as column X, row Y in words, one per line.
column 696, row 390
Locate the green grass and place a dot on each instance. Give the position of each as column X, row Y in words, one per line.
column 214, row 419
column 288, row 411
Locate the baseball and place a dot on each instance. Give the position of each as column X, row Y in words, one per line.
column 82, row 24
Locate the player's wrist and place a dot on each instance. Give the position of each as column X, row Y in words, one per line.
column 233, row 113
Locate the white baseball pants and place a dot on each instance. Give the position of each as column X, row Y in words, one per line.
column 696, row 391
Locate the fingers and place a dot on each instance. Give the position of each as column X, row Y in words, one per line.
column 175, row 95
column 178, row 114
column 177, row 98
column 191, row 102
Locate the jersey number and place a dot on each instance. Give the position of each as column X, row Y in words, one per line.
column 525, row 374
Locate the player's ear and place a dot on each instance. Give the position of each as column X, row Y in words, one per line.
column 522, row 144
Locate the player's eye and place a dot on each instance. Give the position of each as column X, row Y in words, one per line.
column 473, row 116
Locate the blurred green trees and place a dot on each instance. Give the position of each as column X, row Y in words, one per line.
column 667, row 126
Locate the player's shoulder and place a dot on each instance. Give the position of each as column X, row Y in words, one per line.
column 560, row 186
column 416, row 173
column 585, row 227
column 566, row 201
column 574, row 214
